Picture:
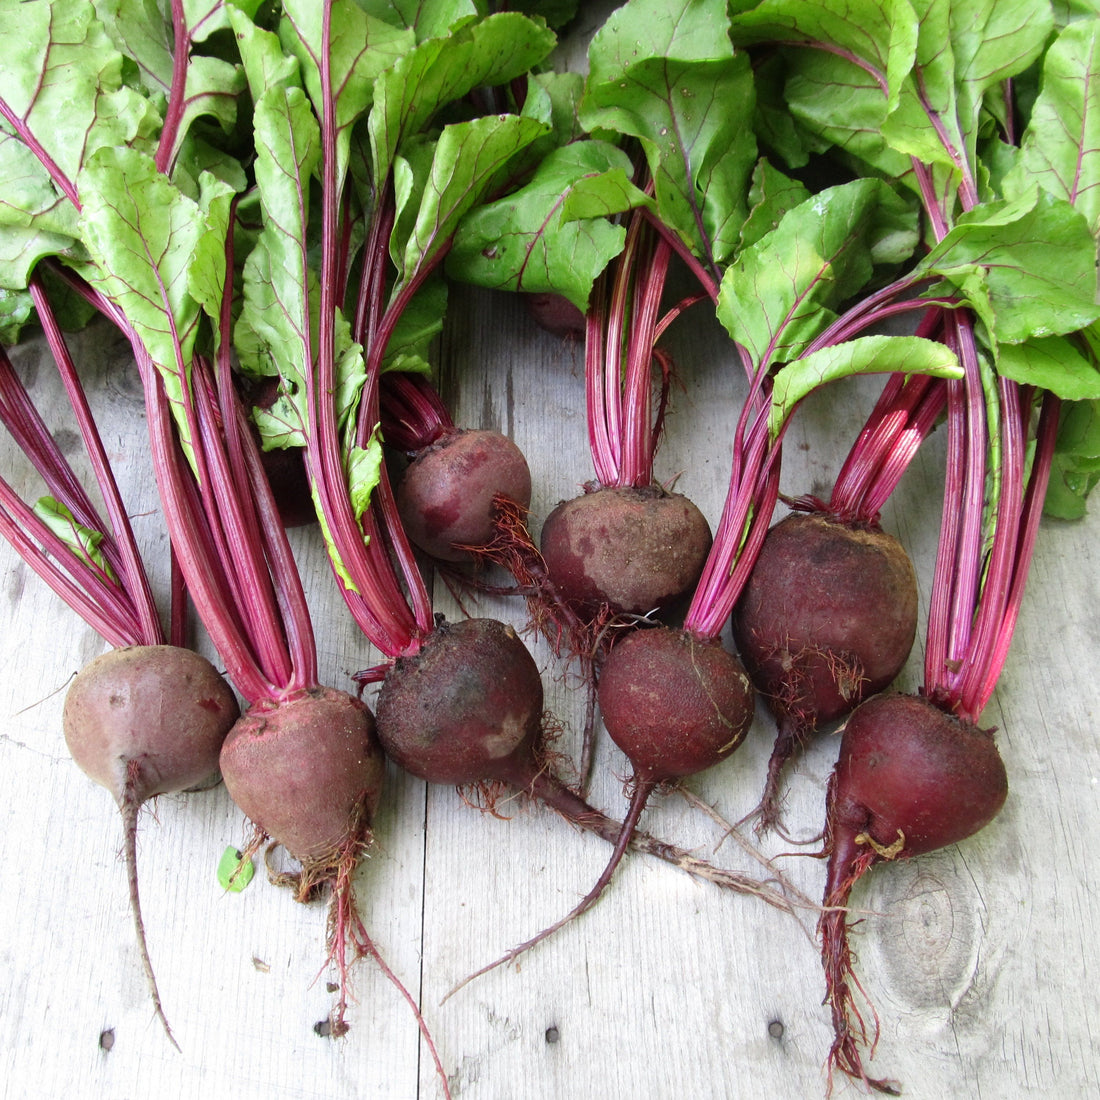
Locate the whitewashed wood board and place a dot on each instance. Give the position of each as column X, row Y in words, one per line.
column 979, row 959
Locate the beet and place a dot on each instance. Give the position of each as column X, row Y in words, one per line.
column 307, row 771
column 446, row 496
column 142, row 721
column 910, row 778
column 635, row 550
column 466, row 708
column 673, row 702
column 826, row 619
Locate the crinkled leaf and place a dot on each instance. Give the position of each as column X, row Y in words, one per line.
column 1061, row 147
column 62, row 80
column 694, row 119
column 863, row 355
column 1028, row 266
column 144, row 236
column 965, row 47
column 142, row 30
column 83, row 541
column 771, row 195
column 469, row 160
column 442, row 70
column 552, row 234
column 778, row 294
column 1054, row 364
column 360, row 49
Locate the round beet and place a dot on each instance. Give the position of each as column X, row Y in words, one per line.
column 142, row 721
column 306, row 771
column 827, row 618
column 674, row 703
column 466, row 708
column 910, row 778
column 556, row 314
column 828, row 615
column 633, row 549
column 147, row 720
column 446, row 495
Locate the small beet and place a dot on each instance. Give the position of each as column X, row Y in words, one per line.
column 635, row 550
column 446, row 495
column 556, row 314
column 910, row 778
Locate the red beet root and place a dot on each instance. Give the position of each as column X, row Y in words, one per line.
column 143, row 721
column 827, row 618
column 910, row 778
column 466, row 708
column 635, row 550
column 446, row 495
column 307, row 771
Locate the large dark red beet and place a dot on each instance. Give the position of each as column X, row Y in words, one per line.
column 636, row 550
column 910, row 778
column 828, row 615
column 466, row 708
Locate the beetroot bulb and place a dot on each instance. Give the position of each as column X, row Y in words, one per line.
column 627, row 545
column 144, row 718
column 829, row 614
column 450, row 495
column 918, row 772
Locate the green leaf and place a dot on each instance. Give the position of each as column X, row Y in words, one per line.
column 364, row 473
column 83, row 541
column 62, row 77
column 144, row 236
column 640, row 30
column 468, row 161
column 266, row 66
column 442, row 70
column 1075, row 471
column 234, row 871
column 277, row 330
column 771, row 195
column 1054, row 364
column 142, row 31
column 1060, row 149
column 1027, row 266
column 360, row 49
column 778, row 295
column 16, row 310
column 552, row 234
column 694, row 119
column 420, row 322
column 35, row 220
column 863, row 355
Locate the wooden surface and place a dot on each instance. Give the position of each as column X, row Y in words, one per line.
column 980, row 959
